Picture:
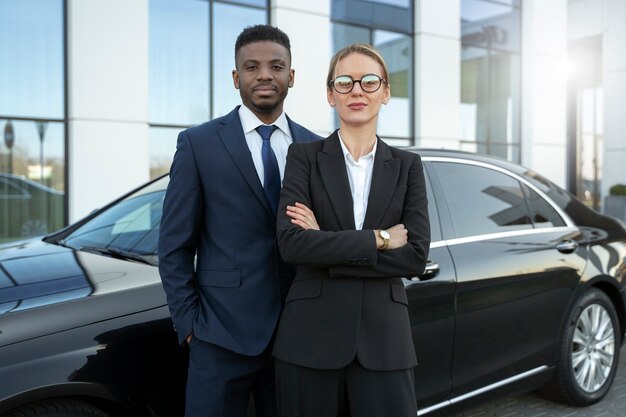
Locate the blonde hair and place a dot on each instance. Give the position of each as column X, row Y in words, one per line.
column 356, row 48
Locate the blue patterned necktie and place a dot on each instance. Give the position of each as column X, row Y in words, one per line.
column 271, row 177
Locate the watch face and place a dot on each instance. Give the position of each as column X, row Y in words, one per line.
column 385, row 234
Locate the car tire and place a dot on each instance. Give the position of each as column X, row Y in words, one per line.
column 57, row 408
column 590, row 342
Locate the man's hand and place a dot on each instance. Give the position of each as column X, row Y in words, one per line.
column 302, row 216
column 398, row 237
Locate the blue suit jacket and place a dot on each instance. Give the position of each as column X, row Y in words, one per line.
column 215, row 208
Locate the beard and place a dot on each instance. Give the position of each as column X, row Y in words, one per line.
column 267, row 107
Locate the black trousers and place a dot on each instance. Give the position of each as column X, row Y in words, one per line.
column 220, row 382
column 351, row 391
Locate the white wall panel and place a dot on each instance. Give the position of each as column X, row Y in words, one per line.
column 107, row 158
column 548, row 161
column 437, row 88
column 437, row 73
column 441, row 17
column 586, row 18
column 108, row 101
column 310, row 36
column 614, row 158
column 108, row 59
column 544, row 87
column 615, row 42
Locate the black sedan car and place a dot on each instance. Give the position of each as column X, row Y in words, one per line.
column 524, row 290
column 33, row 208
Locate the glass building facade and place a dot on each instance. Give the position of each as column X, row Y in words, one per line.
column 455, row 72
column 191, row 57
column 491, row 77
column 33, row 117
column 388, row 25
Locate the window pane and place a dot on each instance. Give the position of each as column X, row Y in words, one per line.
column 490, row 75
column 482, row 200
column 393, row 15
column 542, row 213
column 473, row 10
column 228, row 22
column 32, row 193
column 490, row 25
column 397, row 50
column 162, row 149
column 260, row 3
column 398, row 3
column 179, row 62
column 344, row 35
column 31, row 58
column 490, row 100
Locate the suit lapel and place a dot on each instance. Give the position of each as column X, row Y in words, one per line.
column 232, row 136
column 384, row 179
column 332, row 168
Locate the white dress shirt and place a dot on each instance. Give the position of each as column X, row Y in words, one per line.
column 280, row 140
column 360, row 177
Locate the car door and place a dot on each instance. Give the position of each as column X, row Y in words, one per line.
column 431, row 309
column 517, row 264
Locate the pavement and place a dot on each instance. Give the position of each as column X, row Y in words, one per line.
column 533, row 405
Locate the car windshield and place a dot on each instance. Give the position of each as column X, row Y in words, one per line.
column 129, row 226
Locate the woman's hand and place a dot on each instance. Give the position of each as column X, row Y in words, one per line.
column 398, row 237
column 302, row 216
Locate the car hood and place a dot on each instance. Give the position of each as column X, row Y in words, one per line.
column 45, row 288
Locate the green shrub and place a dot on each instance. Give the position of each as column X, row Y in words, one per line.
column 618, row 189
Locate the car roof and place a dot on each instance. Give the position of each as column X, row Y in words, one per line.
column 472, row 156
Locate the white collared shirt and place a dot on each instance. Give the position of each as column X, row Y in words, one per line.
column 280, row 140
column 360, row 177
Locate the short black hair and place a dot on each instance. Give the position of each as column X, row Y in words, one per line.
column 261, row 33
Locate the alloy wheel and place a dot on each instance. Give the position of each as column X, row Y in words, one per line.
column 593, row 348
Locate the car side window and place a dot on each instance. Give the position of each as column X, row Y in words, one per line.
column 482, row 200
column 541, row 212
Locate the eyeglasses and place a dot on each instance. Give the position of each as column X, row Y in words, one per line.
column 369, row 83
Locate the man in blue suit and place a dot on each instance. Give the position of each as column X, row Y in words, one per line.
column 218, row 257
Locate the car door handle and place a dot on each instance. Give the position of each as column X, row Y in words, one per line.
column 566, row 246
column 431, row 270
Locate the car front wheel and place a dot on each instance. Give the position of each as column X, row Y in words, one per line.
column 589, row 352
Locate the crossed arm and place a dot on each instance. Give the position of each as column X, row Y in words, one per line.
column 304, row 217
column 351, row 252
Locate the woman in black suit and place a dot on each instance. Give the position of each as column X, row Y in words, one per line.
column 353, row 216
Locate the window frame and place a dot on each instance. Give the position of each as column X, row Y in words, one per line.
column 64, row 120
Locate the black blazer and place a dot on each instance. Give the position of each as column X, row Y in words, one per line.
column 215, row 208
column 347, row 299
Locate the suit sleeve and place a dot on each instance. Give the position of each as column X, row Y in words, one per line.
column 315, row 248
column 409, row 260
column 180, row 222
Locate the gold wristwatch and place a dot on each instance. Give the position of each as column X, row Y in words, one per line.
column 385, row 236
